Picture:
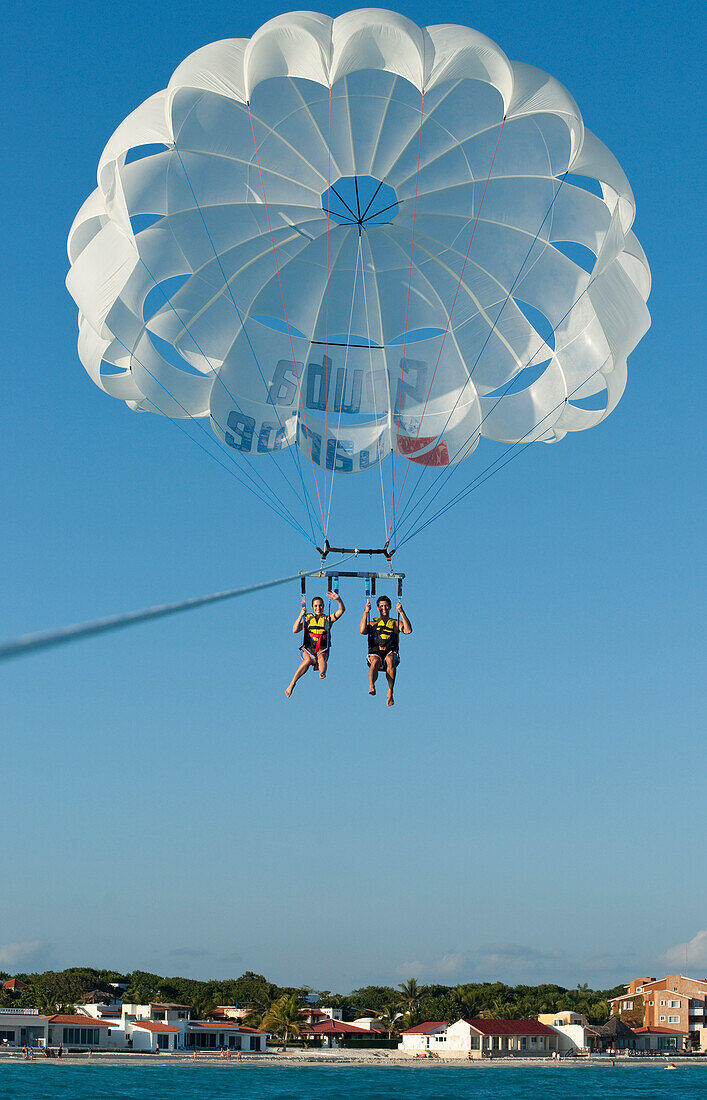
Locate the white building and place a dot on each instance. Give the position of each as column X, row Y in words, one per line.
column 20, row 1027
column 475, row 1038
column 422, row 1037
column 573, row 1031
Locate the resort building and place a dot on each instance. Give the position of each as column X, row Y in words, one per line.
column 22, row 1027
column 676, row 1003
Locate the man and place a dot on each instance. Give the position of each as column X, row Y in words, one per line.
column 317, row 629
column 383, row 634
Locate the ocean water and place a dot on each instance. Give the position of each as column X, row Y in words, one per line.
column 40, row 1081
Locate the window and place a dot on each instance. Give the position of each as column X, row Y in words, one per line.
column 80, row 1036
column 662, row 1019
column 651, row 1003
column 504, row 1043
column 474, row 1042
column 627, row 1004
column 662, row 1004
column 495, row 1042
column 674, row 1004
column 673, row 1019
column 163, row 1042
column 523, row 1042
column 639, row 989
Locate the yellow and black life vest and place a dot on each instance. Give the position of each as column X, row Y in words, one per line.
column 382, row 635
column 316, row 632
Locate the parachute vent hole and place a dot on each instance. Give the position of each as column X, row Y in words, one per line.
column 525, row 377
column 579, row 254
column 360, row 201
column 140, row 152
column 587, row 183
column 539, row 322
column 160, row 295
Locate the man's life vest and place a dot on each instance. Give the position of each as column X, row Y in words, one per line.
column 316, row 632
column 382, row 635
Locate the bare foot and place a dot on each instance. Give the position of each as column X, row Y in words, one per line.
column 391, row 700
column 288, row 692
column 322, row 675
column 372, row 691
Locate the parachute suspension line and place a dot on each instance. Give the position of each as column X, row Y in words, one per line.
column 373, row 384
column 405, row 331
column 29, row 643
column 346, row 363
column 287, row 323
column 447, row 473
column 253, row 486
column 326, row 345
column 295, row 458
column 479, row 480
column 449, row 319
column 217, row 376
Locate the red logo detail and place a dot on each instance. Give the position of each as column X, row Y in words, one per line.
column 412, row 447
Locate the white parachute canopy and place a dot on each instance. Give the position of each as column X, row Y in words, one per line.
column 358, row 236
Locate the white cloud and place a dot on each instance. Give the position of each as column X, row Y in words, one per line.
column 688, row 955
column 11, row 953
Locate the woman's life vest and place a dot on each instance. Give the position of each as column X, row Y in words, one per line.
column 316, row 633
column 382, row 635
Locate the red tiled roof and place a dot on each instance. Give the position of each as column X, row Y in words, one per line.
column 74, row 1021
column 424, row 1029
column 338, row 1027
column 510, row 1027
column 155, row 1025
column 13, row 984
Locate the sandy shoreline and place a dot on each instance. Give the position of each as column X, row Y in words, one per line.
column 341, row 1058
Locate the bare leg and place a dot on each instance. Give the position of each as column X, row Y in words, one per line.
column 321, row 662
column 374, row 665
column 307, row 663
column 390, row 676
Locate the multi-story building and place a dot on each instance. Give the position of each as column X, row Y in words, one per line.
column 674, row 1002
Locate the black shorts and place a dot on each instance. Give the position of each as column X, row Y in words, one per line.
column 374, row 653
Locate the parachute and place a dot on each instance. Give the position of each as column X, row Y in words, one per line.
column 359, row 241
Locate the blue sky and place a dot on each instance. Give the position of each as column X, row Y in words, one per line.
column 539, row 783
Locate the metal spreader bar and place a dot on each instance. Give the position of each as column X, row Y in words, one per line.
column 384, row 550
column 332, row 576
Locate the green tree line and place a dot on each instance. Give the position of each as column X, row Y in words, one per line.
column 400, row 1007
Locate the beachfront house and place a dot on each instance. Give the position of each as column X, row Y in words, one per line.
column 475, row 1038
column 20, row 1027
column 422, row 1037
column 81, row 1032
column 335, row 1033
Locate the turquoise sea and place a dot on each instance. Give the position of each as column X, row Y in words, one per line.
column 38, row 1081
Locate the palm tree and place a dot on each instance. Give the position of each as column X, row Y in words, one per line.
column 389, row 1018
column 282, row 1018
column 409, row 996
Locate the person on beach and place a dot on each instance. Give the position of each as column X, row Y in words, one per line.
column 317, row 635
column 383, row 642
